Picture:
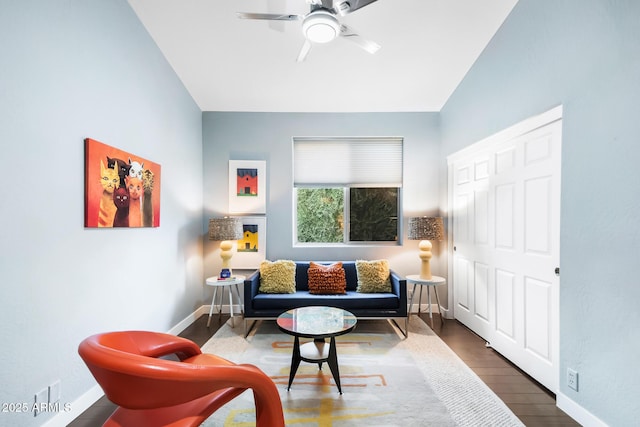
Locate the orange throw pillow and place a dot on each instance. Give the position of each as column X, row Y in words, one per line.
column 327, row 279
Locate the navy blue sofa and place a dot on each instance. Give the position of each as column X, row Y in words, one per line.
column 262, row 306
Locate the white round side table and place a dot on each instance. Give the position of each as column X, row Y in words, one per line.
column 433, row 282
column 218, row 283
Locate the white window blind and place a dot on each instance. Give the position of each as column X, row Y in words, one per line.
column 347, row 162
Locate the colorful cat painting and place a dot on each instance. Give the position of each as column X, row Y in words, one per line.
column 135, row 193
column 123, row 169
column 147, row 201
column 110, row 181
column 121, row 189
column 136, row 169
column 121, row 200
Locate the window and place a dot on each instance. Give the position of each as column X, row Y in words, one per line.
column 347, row 190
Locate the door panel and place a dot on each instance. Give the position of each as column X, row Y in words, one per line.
column 463, row 287
column 505, row 216
column 505, row 303
column 537, row 215
column 536, row 307
column 462, row 284
column 481, row 291
column 481, row 217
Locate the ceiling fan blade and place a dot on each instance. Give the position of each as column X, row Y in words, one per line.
column 274, row 6
column 306, row 47
column 344, row 7
column 349, row 34
column 269, row 16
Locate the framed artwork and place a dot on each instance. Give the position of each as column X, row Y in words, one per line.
column 120, row 188
column 251, row 249
column 247, row 186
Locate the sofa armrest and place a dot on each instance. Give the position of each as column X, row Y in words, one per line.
column 251, row 286
column 399, row 287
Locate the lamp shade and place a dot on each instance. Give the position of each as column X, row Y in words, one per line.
column 426, row 228
column 225, row 229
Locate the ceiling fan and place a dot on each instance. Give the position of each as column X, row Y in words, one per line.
column 321, row 24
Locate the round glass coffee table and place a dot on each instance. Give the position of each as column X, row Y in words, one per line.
column 317, row 323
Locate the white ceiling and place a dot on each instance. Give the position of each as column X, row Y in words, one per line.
column 231, row 64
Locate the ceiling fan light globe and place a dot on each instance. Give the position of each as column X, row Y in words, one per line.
column 320, row 27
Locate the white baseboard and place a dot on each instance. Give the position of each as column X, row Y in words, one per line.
column 577, row 412
column 225, row 309
column 187, row 321
column 446, row 313
column 424, row 308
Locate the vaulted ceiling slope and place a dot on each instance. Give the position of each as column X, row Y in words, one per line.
column 232, row 64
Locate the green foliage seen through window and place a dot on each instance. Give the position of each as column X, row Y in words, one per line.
column 373, row 216
column 320, row 215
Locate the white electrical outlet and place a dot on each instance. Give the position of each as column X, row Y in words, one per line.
column 40, row 398
column 54, row 392
column 572, row 379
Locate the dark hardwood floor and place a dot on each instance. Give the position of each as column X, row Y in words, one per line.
column 531, row 402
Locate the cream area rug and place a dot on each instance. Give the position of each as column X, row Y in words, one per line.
column 387, row 380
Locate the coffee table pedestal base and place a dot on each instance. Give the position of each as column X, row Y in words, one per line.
column 316, row 351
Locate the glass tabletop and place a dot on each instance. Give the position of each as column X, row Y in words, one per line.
column 316, row 322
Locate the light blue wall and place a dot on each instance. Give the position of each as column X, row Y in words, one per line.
column 71, row 70
column 268, row 136
column 585, row 55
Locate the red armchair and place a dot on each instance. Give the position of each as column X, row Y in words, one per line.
column 153, row 391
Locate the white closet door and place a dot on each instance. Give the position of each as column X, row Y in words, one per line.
column 505, row 198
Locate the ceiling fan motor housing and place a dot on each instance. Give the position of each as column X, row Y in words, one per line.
column 320, row 26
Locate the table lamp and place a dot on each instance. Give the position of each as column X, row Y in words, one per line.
column 225, row 230
column 425, row 229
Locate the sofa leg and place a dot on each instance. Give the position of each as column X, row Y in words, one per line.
column 248, row 331
column 405, row 332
